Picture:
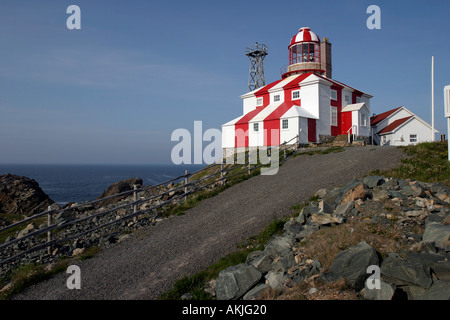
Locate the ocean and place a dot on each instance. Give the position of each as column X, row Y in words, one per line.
column 78, row 183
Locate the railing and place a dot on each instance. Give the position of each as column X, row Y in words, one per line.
column 196, row 186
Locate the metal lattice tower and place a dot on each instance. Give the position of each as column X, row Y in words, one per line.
column 256, row 78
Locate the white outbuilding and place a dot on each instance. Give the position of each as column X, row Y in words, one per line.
column 399, row 127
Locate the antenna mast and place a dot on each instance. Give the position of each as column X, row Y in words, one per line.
column 256, row 78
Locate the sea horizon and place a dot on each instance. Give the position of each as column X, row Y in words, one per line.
column 65, row 183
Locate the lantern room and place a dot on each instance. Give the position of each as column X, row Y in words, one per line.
column 305, row 54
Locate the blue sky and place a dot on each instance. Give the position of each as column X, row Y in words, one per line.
column 114, row 91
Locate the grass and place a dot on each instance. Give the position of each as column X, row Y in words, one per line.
column 28, row 275
column 334, row 149
column 426, row 162
column 196, row 283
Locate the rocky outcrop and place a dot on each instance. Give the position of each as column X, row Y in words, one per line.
column 419, row 269
column 22, row 195
column 118, row 187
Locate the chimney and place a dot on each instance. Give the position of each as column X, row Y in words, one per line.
column 325, row 57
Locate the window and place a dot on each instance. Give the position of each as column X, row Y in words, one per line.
column 333, row 95
column 383, row 140
column 334, row 118
column 363, row 120
column 256, row 127
column 304, row 52
column 285, row 124
column 259, row 101
column 358, row 99
column 347, row 98
column 413, row 138
column 276, row 98
column 296, row 95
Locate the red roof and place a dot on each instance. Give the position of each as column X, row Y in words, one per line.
column 379, row 117
column 304, row 35
column 394, row 125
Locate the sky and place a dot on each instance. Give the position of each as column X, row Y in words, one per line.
column 113, row 91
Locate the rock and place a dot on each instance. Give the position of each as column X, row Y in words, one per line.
column 65, row 216
column 372, row 181
column 233, row 282
column 345, row 209
column 78, row 251
column 440, row 290
column 274, row 279
column 118, row 187
column 379, row 194
column 292, row 227
column 325, row 207
column 325, row 219
column 432, row 263
column 313, row 290
column 400, row 271
column 279, row 246
column 351, row 264
column 438, row 233
column 386, row 291
column 321, row 193
column 186, row 296
column 260, row 261
column 22, row 195
column 255, row 293
column 354, row 193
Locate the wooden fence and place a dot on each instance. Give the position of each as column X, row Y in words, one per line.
column 196, row 186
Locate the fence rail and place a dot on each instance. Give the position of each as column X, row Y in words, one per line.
column 196, row 186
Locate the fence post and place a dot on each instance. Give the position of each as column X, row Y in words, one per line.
column 221, row 172
column 284, row 150
column 185, row 184
column 135, row 199
column 49, row 233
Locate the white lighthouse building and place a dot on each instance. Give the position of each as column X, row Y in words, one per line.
column 305, row 102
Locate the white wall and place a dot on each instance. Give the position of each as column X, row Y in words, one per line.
column 228, row 136
column 249, row 104
column 291, row 132
column 256, row 139
column 414, row 126
column 323, row 125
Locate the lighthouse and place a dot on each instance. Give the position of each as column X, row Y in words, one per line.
column 305, row 106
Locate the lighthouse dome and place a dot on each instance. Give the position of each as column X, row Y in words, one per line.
column 304, row 35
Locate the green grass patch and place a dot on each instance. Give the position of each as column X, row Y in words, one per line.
column 427, row 162
column 28, row 275
column 334, row 149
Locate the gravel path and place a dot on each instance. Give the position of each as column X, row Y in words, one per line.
column 148, row 262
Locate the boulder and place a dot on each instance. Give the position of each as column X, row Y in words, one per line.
column 233, row 282
column 401, row 271
column 274, row 279
column 439, row 233
column 22, row 195
column 372, row 181
column 352, row 264
column 279, row 246
column 255, row 293
column 260, row 261
column 356, row 192
column 386, row 291
column 118, row 187
column 325, row 219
